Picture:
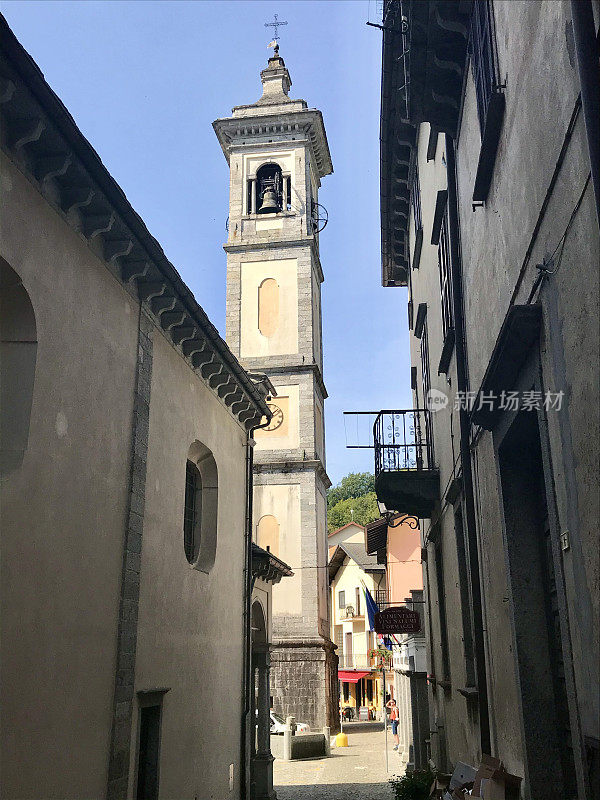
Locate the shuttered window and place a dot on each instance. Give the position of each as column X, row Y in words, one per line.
column 482, row 57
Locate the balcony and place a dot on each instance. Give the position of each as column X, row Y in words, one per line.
column 350, row 612
column 362, row 662
column 406, row 478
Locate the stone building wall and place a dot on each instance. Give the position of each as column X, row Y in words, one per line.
column 540, row 206
column 103, row 612
column 304, row 682
column 60, row 584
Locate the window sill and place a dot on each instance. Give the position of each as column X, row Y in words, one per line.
column 269, row 216
column 470, row 692
column 489, row 147
column 447, row 351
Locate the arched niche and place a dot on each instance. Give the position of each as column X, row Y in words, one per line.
column 18, row 352
column 267, row 534
column 200, row 537
column 268, row 307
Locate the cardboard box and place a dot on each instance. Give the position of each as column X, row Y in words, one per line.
column 439, row 786
column 460, row 794
column 462, row 775
column 488, row 767
column 493, row 782
column 502, row 787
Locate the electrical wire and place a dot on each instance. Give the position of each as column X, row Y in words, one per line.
column 563, row 238
column 326, row 566
column 543, row 268
column 549, row 193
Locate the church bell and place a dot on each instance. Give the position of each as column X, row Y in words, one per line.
column 269, row 203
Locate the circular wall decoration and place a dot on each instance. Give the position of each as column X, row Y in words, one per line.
column 276, row 419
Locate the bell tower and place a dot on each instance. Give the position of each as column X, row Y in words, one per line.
column 277, row 153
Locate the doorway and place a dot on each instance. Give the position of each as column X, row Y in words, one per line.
column 148, row 756
column 530, row 554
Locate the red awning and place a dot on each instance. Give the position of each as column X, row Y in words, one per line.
column 351, row 677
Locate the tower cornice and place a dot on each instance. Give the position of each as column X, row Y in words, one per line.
column 278, row 244
column 293, row 465
column 278, row 121
column 279, row 365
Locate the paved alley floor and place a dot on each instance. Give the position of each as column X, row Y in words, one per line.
column 356, row 772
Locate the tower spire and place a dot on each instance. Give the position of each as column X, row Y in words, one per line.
column 275, row 79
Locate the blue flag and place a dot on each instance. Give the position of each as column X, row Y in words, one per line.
column 372, row 608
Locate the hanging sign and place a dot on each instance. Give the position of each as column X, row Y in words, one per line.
column 397, row 619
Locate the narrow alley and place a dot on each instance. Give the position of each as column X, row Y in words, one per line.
column 357, row 771
column 299, row 393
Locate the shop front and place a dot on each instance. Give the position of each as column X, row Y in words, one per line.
column 360, row 689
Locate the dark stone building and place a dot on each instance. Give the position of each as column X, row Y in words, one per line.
column 489, row 209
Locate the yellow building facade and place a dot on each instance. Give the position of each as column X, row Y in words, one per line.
column 351, row 569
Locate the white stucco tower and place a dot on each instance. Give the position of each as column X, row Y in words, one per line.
column 277, row 153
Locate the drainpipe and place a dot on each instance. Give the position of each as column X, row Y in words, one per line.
column 247, row 724
column 586, row 48
column 465, row 451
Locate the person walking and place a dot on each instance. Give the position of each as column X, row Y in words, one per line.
column 394, row 716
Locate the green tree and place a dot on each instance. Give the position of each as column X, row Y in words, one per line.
column 361, row 510
column 356, row 484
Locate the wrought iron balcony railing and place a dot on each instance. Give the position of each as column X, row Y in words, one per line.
column 382, row 599
column 403, row 441
column 406, row 479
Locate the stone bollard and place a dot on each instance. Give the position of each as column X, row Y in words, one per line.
column 327, row 735
column 289, row 731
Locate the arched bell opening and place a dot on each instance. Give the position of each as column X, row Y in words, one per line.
column 269, row 187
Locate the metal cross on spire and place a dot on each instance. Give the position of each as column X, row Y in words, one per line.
column 275, row 25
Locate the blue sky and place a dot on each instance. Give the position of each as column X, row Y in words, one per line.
column 145, row 80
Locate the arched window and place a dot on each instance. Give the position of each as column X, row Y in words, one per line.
column 268, row 534
column 18, row 350
column 200, row 508
column 269, row 188
column 259, row 626
column 268, row 307
column 192, row 512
